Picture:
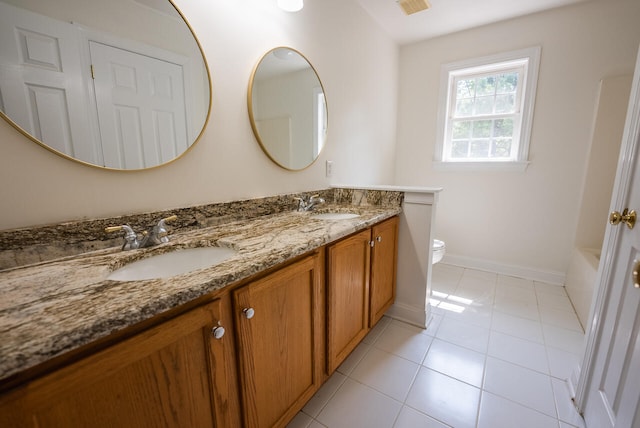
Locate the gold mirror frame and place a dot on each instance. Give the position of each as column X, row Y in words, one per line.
column 291, row 136
column 196, row 132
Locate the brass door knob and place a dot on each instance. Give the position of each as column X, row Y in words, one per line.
column 627, row 217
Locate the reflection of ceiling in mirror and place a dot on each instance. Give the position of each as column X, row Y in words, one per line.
column 122, row 18
column 275, row 64
column 161, row 6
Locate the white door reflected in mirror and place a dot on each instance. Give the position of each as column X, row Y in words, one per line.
column 60, row 86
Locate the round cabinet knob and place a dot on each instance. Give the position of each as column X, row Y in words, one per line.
column 248, row 313
column 379, row 239
column 218, row 332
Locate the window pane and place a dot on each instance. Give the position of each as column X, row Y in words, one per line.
column 466, row 88
column 459, row 149
column 503, row 128
column 464, row 107
column 484, row 105
column 486, row 86
column 482, row 129
column 479, row 149
column 505, row 103
column 461, row 130
column 502, row 148
column 507, row 83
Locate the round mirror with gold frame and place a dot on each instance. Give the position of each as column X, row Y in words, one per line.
column 287, row 108
column 119, row 84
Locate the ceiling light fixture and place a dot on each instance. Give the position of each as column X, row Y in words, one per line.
column 283, row 54
column 290, row 5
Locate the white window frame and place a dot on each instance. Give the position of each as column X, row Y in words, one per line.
column 529, row 60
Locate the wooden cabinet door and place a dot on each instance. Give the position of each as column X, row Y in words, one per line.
column 383, row 268
column 160, row 377
column 348, row 296
column 280, row 342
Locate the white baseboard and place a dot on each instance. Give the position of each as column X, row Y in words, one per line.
column 409, row 314
column 549, row 277
column 572, row 382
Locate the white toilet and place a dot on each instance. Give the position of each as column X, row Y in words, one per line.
column 438, row 251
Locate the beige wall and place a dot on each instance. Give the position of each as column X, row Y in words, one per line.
column 356, row 61
column 515, row 219
column 519, row 220
column 606, row 138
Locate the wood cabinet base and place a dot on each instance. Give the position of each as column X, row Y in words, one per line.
column 281, row 342
column 166, row 376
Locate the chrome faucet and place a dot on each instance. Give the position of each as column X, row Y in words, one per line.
column 156, row 236
column 130, row 237
column 313, row 201
column 307, row 204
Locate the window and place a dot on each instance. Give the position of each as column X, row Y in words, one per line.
column 486, row 106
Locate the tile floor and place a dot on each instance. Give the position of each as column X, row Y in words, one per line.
column 496, row 354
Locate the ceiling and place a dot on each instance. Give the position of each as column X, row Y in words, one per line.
column 448, row 16
column 161, row 6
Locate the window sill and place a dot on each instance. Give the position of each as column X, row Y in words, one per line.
column 517, row 166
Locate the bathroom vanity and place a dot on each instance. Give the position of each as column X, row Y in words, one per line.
column 245, row 342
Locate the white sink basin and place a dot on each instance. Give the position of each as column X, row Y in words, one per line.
column 171, row 264
column 334, row 216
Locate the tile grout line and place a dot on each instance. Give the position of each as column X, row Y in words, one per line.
column 443, row 315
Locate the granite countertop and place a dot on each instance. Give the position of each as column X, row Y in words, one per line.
column 53, row 307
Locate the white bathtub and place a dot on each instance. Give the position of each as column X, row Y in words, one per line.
column 581, row 280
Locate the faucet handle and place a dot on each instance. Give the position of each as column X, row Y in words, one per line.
column 160, row 230
column 160, row 227
column 127, row 229
column 111, row 229
column 170, row 218
column 130, row 237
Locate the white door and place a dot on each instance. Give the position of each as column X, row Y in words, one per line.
column 40, row 75
column 611, row 377
column 141, row 107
